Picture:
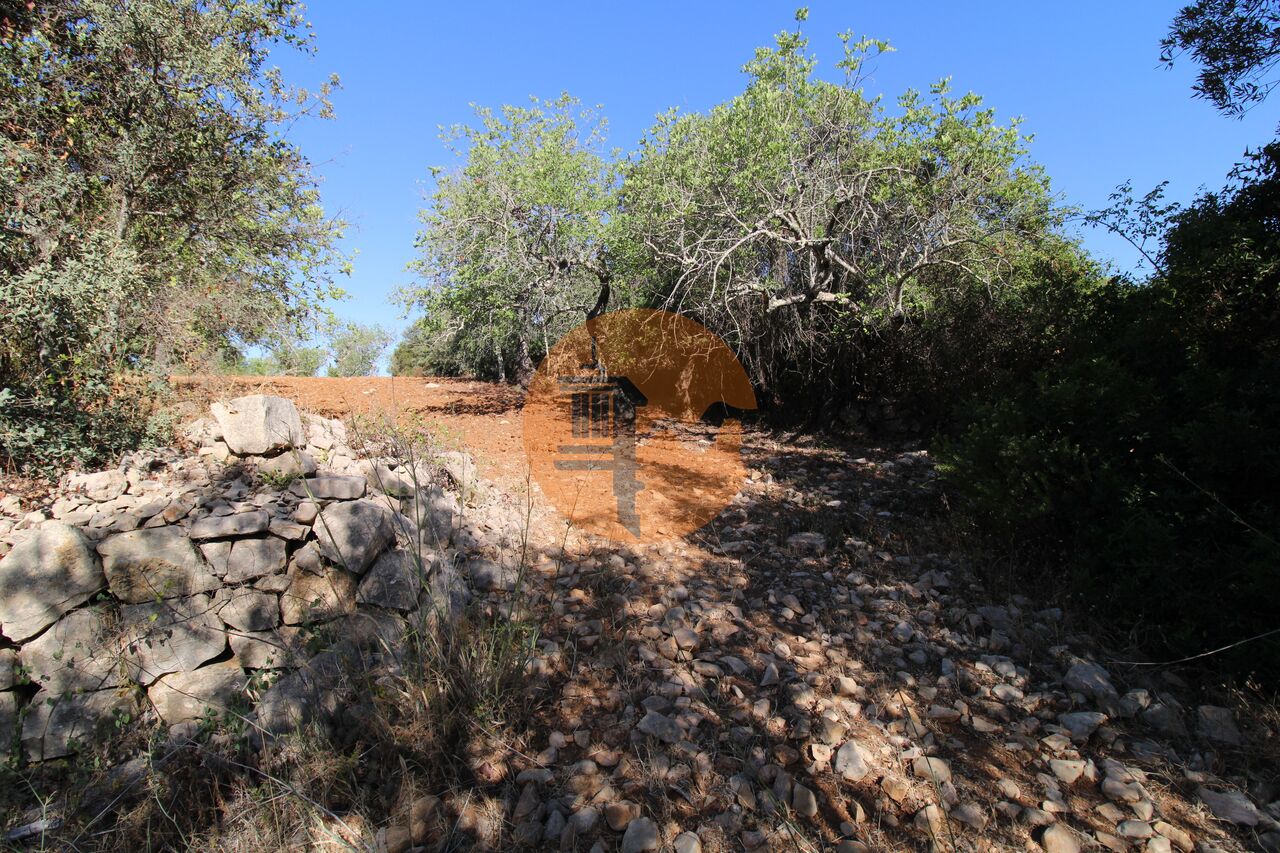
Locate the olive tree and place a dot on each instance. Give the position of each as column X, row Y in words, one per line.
column 513, row 248
column 803, row 214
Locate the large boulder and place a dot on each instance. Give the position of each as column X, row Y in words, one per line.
column 259, row 424
column 43, row 577
column 353, row 534
column 154, row 563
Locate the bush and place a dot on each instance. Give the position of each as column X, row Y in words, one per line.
column 1146, row 454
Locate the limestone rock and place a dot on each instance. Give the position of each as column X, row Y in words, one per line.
column 461, row 469
column 103, row 486
column 318, row 598
column 254, row 558
column 660, row 726
column 330, row 488
column 392, row 483
column 1217, row 724
column 288, row 465
column 394, row 581
column 170, row 636
column 488, row 576
column 1230, row 806
column 182, row 696
column 259, row 424
column 154, row 563
column 43, row 577
column 641, row 835
column 58, row 726
column 313, row 693
column 8, row 722
column 278, row 649
column 353, row 534
column 1091, row 680
column 78, row 654
column 247, row 610
column 935, row 769
column 230, row 526
column 1059, row 839
column 850, row 762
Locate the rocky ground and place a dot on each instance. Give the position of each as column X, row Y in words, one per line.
column 816, row 670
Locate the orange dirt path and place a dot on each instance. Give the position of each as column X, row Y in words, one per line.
column 481, row 417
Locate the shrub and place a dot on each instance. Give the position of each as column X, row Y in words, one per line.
column 1146, row 455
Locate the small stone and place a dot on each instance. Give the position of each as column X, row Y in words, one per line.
column 807, row 543
column 687, row 842
column 102, row 486
column 1231, row 806
column 1180, row 839
column 1091, row 680
column 1081, row 724
column 620, row 814
column 641, row 835
column 1067, row 771
column 1135, row 829
column 803, row 801
column 971, row 815
column 1059, row 839
column 661, row 727
column 1217, row 724
column 935, row 769
column 850, row 762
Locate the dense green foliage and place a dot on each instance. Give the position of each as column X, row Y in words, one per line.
column 1145, row 453
column 356, row 348
column 513, row 245
column 152, row 213
column 813, row 228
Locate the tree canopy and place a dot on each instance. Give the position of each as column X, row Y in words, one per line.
column 152, row 210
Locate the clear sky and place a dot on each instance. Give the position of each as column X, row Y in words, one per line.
column 1084, row 76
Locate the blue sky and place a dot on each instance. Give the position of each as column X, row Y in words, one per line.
column 1084, row 76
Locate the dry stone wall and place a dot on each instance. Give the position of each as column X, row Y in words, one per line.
column 184, row 584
